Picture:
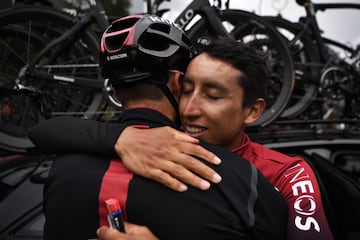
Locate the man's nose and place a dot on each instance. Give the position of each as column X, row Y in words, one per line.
column 192, row 107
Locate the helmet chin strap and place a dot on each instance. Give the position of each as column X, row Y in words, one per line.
column 161, row 81
column 157, row 78
column 172, row 100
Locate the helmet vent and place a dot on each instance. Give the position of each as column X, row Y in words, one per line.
column 161, row 27
column 153, row 42
column 116, row 42
column 123, row 24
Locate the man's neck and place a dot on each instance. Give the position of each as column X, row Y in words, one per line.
column 161, row 106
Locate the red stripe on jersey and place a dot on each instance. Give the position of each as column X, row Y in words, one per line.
column 115, row 184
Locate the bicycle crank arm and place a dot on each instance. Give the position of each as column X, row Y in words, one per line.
column 79, row 81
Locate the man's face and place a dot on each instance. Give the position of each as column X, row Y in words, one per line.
column 211, row 103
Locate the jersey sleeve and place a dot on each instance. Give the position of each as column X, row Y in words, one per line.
column 300, row 188
column 71, row 134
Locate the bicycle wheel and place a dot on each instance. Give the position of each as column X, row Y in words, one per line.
column 340, row 82
column 28, row 95
column 306, row 59
column 251, row 29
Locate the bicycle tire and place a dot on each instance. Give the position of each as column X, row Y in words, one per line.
column 306, row 59
column 24, row 32
column 253, row 30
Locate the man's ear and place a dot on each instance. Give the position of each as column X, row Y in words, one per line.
column 175, row 83
column 254, row 111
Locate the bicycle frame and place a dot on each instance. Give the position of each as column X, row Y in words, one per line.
column 311, row 22
column 329, row 79
column 57, row 73
column 96, row 15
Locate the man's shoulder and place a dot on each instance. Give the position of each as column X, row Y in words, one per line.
column 214, row 148
column 225, row 155
column 275, row 156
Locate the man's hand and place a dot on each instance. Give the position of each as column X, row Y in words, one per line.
column 165, row 155
column 133, row 232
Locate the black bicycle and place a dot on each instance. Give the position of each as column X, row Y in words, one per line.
column 327, row 71
column 49, row 64
column 49, row 67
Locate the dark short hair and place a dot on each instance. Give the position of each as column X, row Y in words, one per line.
column 244, row 58
column 138, row 91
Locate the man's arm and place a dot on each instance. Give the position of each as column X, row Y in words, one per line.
column 71, row 134
column 166, row 155
column 301, row 191
column 162, row 154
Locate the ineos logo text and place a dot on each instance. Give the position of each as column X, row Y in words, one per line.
column 304, row 205
column 189, row 14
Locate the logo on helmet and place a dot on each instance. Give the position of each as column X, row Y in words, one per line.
column 162, row 20
column 116, row 57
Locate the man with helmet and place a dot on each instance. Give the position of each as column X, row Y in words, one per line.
column 144, row 59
